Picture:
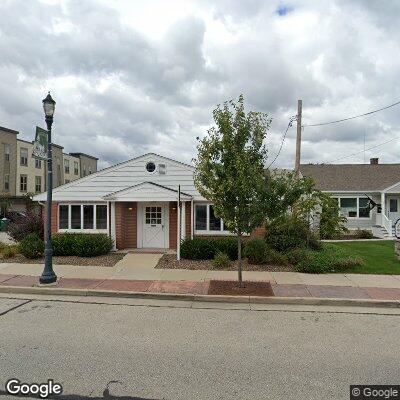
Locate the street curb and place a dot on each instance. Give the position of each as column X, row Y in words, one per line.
column 202, row 298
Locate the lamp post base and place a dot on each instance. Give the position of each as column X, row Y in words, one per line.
column 46, row 279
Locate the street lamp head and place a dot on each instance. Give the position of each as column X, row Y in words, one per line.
column 49, row 105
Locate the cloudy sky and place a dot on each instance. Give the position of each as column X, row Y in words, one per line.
column 136, row 76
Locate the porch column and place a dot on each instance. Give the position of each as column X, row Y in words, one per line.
column 113, row 230
column 383, row 205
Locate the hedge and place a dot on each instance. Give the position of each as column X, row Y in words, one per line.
column 206, row 248
column 81, row 244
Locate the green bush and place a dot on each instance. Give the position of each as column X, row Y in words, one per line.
column 256, row 251
column 329, row 259
column 81, row 244
column 9, row 251
column 221, row 261
column 198, row 248
column 288, row 232
column 31, row 246
column 296, row 255
column 205, row 248
column 363, row 234
column 229, row 246
column 275, row 257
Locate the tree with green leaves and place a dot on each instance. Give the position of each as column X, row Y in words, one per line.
column 289, row 194
column 230, row 168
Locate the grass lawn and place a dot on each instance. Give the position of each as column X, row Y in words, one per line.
column 378, row 256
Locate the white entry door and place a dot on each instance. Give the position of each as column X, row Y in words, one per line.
column 153, row 226
column 394, row 209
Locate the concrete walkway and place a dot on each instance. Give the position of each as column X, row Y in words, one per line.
column 137, row 266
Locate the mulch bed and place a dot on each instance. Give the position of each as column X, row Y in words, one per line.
column 249, row 288
column 108, row 260
column 168, row 261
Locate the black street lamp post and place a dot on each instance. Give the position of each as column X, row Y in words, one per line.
column 48, row 275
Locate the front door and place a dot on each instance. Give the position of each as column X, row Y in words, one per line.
column 153, row 226
column 394, row 211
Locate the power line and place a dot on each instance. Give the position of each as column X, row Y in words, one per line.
column 359, row 152
column 293, row 118
column 355, row 116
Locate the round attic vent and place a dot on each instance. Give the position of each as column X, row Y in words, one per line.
column 150, row 166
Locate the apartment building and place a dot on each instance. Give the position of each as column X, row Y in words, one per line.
column 22, row 175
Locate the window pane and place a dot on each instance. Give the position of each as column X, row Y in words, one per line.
column 63, row 217
column 215, row 223
column 101, row 217
column 88, row 220
column 393, row 205
column 201, row 218
column 348, row 207
column 75, row 217
column 363, row 209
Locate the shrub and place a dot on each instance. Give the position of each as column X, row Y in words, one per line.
column 205, row 248
column 198, row 248
column 221, row 261
column 332, row 222
column 2, row 246
column 32, row 246
column 296, row 255
column 10, row 251
column 256, row 251
column 23, row 226
column 275, row 258
column 81, row 244
column 329, row 259
column 227, row 245
column 288, row 232
column 363, row 234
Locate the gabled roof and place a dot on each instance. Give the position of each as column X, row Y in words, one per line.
column 126, row 175
column 146, row 191
column 352, row 177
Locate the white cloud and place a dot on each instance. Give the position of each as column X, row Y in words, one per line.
column 130, row 77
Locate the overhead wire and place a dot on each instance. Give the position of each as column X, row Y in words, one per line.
column 291, row 120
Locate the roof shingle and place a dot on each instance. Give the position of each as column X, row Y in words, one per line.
column 352, row 177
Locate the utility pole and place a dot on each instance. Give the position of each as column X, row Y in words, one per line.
column 298, row 138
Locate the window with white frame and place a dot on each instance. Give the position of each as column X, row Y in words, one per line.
column 354, row 207
column 82, row 217
column 206, row 221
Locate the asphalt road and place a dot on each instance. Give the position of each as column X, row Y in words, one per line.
column 139, row 352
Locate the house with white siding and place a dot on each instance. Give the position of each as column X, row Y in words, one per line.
column 368, row 194
column 136, row 203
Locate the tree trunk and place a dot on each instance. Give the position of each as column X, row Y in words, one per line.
column 240, row 259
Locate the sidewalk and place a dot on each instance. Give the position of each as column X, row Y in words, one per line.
column 136, row 274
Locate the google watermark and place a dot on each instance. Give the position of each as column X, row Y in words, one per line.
column 374, row 392
column 43, row 390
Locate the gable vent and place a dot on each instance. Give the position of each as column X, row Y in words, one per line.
column 162, row 169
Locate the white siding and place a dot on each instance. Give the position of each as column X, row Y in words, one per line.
column 122, row 176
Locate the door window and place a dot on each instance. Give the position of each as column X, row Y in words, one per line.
column 153, row 215
column 393, row 205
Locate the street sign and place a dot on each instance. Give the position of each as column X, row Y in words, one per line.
column 40, row 144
